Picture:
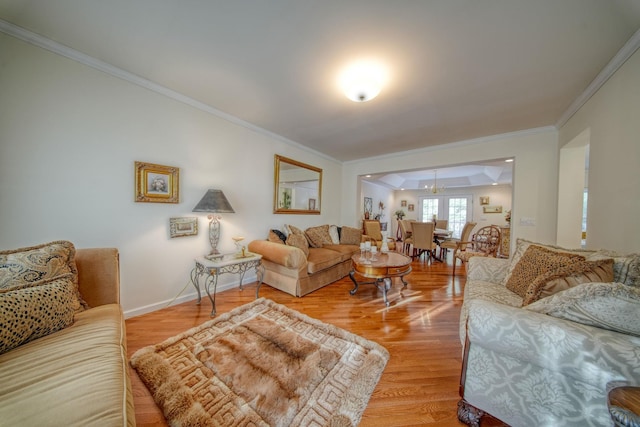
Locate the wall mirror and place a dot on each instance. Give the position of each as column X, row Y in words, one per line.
column 298, row 187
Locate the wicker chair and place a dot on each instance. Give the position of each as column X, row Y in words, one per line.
column 485, row 242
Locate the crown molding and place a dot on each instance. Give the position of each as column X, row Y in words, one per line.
column 609, row 70
column 62, row 50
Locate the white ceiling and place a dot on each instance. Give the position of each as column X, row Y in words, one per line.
column 458, row 69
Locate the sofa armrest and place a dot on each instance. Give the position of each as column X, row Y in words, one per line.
column 487, row 269
column 285, row 255
column 580, row 351
column 98, row 275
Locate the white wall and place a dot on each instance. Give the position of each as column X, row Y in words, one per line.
column 69, row 136
column 534, row 183
column 612, row 116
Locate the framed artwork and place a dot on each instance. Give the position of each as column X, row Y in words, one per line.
column 403, row 203
column 492, row 209
column 368, row 205
column 183, row 226
column 156, row 183
column 484, row 200
column 411, row 208
column 312, row 204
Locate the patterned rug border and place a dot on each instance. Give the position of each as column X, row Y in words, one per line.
column 178, row 403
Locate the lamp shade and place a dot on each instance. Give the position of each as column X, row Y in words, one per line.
column 214, row 201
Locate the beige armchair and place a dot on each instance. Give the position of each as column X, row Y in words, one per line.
column 373, row 233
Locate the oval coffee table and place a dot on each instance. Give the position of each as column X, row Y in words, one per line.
column 385, row 266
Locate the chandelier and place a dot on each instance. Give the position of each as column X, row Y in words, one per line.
column 434, row 189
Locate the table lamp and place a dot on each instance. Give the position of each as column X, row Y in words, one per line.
column 214, row 202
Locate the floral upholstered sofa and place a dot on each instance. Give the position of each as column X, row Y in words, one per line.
column 545, row 355
column 300, row 262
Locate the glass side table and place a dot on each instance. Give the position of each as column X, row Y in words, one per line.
column 228, row 263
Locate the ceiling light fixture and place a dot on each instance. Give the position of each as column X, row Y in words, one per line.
column 362, row 81
column 434, row 189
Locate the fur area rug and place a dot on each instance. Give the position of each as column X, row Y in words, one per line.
column 262, row 364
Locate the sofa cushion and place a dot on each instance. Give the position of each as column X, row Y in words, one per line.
column 300, row 242
column 346, row 251
column 334, row 232
column 350, row 236
column 320, row 259
column 292, row 229
column 318, row 236
column 285, row 255
column 73, row 377
column 276, row 236
column 35, row 310
column 556, row 281
column 612, row 306
column 535, row 262
column 522, row 245
column 626, row 267
column 35, row 263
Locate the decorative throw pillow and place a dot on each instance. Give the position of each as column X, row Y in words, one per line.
column 46, row 261
column 300, row 242
column 567, row 277
column 350, row 236
column 291, row 229
column 521, row 247
column 275, row 238
column 626, row 267
column 35, row 309
column 612, row 306
column 535, row 262
column 335, row 234
column 318, row 236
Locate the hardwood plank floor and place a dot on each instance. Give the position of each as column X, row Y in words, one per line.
column 419, row 386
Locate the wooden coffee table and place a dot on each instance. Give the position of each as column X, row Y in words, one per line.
column 382, row 269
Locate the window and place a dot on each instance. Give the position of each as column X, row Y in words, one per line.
column 455, row 208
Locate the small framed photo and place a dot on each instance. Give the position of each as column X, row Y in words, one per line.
column 403, row 203
column 484, row 200
column 411, row 208
column 312, row 204
column 183, row 226
column 157, row 183
column 492, row 209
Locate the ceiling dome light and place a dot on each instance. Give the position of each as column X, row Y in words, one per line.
column 362, row 81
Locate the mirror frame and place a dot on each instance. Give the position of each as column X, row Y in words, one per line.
column 276, row 188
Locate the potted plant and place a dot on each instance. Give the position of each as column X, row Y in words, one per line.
column 399, row 214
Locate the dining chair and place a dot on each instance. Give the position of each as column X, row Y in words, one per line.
column 485, row 242
column 452, row 243
column 405, row 231
column 422, row 239
column 442, row 224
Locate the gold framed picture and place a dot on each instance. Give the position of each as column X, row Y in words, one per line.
column 411, row 208
column 157, row 183
column 403, row 203
column 492, row 209
column 484, row 200
column 183, row 226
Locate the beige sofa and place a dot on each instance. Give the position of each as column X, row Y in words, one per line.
column 550, row 362
column 307, row 260
column 78, row 375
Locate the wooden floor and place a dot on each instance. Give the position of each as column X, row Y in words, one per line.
column 419, row 386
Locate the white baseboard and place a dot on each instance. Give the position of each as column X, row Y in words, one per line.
column 191, row 296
